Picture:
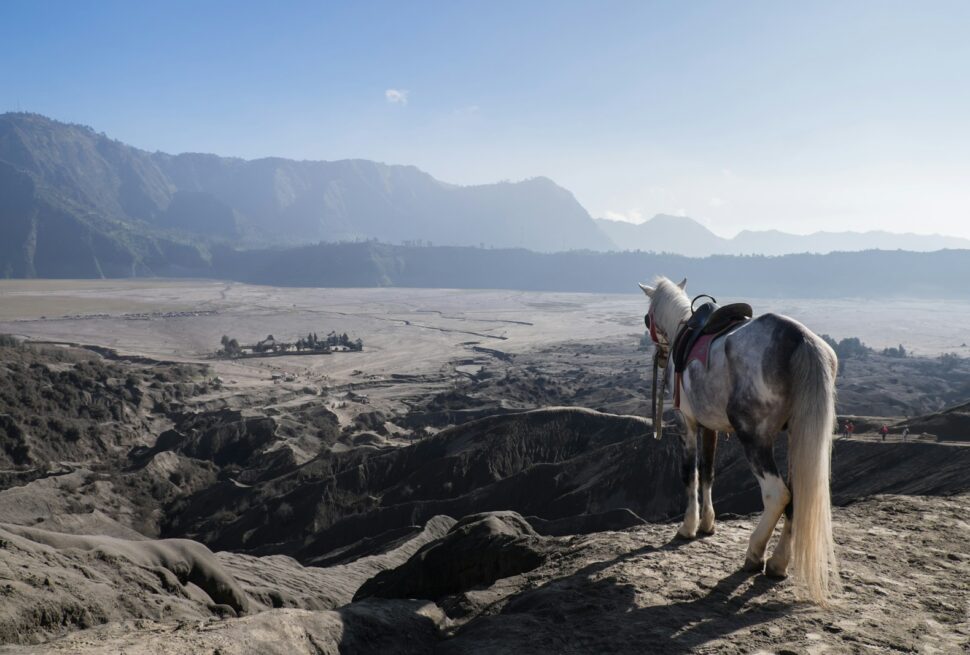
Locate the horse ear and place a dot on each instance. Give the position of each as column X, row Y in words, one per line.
column 647, row 290
column 683, row 284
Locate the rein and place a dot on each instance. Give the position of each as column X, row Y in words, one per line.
column 661, row 353
column 657, row 404
column 660, row 361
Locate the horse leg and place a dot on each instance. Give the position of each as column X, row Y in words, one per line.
column 708, row 448
column 774, row 496
column 777, row 565
column 688, row 529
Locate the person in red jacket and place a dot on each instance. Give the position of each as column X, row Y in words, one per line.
column 884, row 430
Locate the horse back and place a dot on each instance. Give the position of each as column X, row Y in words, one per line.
column 748, row 366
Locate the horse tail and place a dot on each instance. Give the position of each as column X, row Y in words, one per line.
column 814, row 367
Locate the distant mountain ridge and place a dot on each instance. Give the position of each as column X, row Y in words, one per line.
column 75, row 202
column 684, row 236
column 868, row 274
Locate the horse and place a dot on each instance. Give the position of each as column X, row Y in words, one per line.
column 763, row 376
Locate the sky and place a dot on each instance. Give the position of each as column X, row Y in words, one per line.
column 845, row 115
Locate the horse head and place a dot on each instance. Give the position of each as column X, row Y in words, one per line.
column 667, row 304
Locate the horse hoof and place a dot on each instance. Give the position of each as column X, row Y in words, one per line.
column 776, row 571
column 685, row 536
column 753, row 566
column 706, row 532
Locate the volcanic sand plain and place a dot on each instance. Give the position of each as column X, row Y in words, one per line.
column 408, row 333
column 416, row 341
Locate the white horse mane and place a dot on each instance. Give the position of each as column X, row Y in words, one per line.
column 669, row 302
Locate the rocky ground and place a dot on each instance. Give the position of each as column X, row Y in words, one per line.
column 493, row 489
column 905, row 571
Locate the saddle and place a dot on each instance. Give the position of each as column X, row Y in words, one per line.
column 708, row 320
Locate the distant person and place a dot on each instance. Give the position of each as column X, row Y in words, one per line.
column 884, row 430
column 851, row 428
column 905, row 432
column 845, row 429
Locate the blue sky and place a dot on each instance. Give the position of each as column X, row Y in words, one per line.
column 794, row 116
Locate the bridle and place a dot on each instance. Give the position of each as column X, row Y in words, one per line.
column 661, row 359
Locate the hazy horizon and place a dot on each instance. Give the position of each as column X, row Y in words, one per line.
column 752, row 116
column 640, row 220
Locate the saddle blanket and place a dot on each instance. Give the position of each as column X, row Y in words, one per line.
column 701, row 349
column 699, row 352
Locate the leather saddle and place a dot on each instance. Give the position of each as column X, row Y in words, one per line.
column 709, row 318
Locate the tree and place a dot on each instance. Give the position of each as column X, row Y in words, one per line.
column 899, row 353
column 230, row 347
column 851, row 347
column 949, row 360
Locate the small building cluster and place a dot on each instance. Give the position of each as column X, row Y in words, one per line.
column 311, row 344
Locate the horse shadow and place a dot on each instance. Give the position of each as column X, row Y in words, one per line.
column 592, row 610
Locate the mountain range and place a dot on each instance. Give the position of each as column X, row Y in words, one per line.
column 685, row 236
column 76, row 203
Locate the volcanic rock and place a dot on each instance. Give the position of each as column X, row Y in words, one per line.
column 477, row 551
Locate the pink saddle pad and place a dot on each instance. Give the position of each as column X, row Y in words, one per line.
column 701, row 349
